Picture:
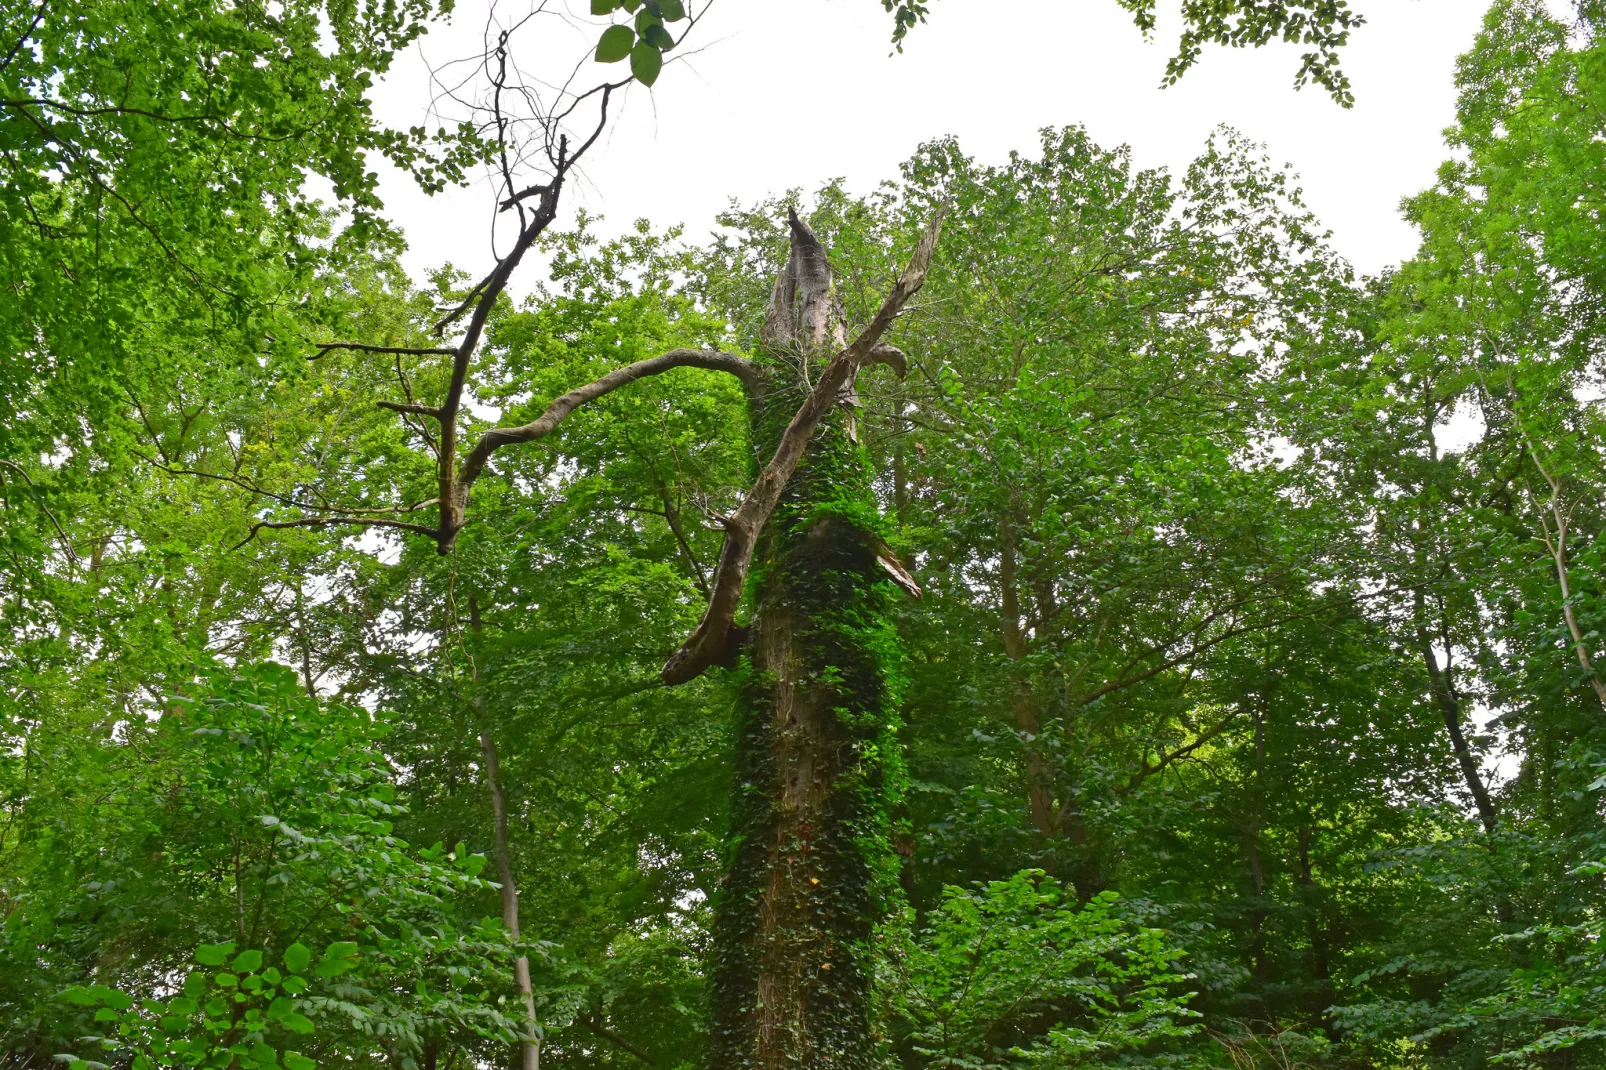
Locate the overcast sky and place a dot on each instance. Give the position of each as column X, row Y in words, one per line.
column 786, row 95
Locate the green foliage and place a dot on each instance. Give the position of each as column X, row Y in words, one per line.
column 1016, row 973
column 1324, row 24
column 242, row 1016
column 249, row 813
column 644, row 40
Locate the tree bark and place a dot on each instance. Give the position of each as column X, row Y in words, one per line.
column 811, row 863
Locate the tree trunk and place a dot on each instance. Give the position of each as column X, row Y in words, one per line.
column 1449, row 706
column 1040, row 772
column 811, row 864
column 530, row 1045
column 1441, row 689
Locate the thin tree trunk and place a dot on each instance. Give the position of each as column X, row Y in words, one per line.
column 530, row 1045
column 811, row 866
column 1257, row 873
column 1040, row 771
column 1449, row 707
column 1556, row 543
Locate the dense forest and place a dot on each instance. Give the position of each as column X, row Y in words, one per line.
column 1042, row 613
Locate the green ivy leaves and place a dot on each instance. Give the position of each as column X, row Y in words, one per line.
column 644, row 42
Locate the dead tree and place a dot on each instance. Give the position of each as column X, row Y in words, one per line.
column 818, row 666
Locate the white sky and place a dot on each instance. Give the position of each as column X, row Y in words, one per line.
column 792, row 94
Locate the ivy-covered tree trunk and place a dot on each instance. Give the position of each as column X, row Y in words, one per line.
column 811, row 864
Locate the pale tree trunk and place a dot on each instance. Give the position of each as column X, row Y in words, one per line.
column 811, row 868
column 530, row 1045
column 1556, row 543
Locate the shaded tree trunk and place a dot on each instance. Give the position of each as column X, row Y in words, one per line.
column 818, row 765
column 1449, row 707
column 1060, row 822
column 1441, row 689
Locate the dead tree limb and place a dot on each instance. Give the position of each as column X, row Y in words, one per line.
column 543, row 425
column 704, row 646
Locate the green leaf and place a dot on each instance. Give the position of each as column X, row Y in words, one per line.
column 80, row 995
column 106, row 1014
column 263, row 1055
column 673, row 10
column 296, row 1023
column 280, row 1007
column 226, row 980
column 195, row 985
column 182, row 1005
column 294, row 1060
column 214, row 954
column 297, row 957
column 615, row 43
column 603, row 7
column 295, row 985
column 248, row 961
column 645, row 18
column 645, row 63
column 658, row 37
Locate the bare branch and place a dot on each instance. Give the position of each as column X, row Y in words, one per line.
column 560, row 409
column 888, row 560
column 282, row 499
column 533, row 191
column 325, row 348
column 704, row 645
column 38, row 17
column 331, row 521
column 892, row 357
column 421, row 410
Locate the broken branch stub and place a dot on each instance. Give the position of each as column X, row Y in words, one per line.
column 800, row 318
